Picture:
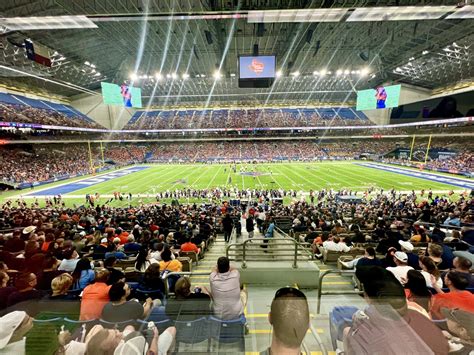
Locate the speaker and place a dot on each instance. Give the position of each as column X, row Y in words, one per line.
column 364, row 56
column 309, row 36
column 208, row 37
column 260, row 29
column 255, row 49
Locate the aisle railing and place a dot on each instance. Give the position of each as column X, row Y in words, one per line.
column 334, row 292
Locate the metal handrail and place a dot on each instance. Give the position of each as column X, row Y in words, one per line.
column 274, row 241
column 287, row 236
column 320, row 286
column 180, row 273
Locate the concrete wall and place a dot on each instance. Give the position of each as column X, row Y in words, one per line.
column 110, row 116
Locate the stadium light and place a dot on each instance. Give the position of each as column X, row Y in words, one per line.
column 217, row 75
column 323, row 72
column 295, row 74
column 174, row 76
column 168, row 76
column 158, row 76
column 364, row 71
column 346, row 72
column 315, row 73
column 185, row 76
column 278, row 73
column 339, row 72
column 232, row 75
column 133, row 76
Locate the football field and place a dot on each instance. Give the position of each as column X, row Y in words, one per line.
column 145, row 181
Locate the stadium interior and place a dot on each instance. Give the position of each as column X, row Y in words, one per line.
column 242, row 177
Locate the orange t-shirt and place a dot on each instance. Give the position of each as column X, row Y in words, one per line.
column 173, row 265
column 94, row 298
column 188, row 246
column 458, row 299
column 123, row 237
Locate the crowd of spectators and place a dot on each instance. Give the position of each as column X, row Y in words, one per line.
column 242, row 119
column 28, row 114
column 44, row 163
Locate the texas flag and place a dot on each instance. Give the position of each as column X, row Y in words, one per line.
column 37, row 53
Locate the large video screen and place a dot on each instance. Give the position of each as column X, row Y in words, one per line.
column 124, row 95
column 257, row 67
column 378, row 98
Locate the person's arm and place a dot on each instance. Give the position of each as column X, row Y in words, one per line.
column 153, row 349
column 435, row 285
column 147, row 307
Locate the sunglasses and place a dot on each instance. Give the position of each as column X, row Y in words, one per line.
column 289, row 291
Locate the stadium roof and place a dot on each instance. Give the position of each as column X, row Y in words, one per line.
column 184, row 43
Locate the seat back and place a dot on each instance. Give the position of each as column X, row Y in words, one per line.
column 190, row 254
column 117, row 325
column 227, row 331
column 192, row 332
column 187, row 263
column 144, row 294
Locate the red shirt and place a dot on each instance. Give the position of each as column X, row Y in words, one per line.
column 458, row 299
column 189, row 247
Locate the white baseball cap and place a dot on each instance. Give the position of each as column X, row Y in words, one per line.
column 406, row 245
column 10, row 323
column 134, row 346
column 400, row 255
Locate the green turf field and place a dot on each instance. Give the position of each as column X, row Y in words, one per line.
column 295, row 176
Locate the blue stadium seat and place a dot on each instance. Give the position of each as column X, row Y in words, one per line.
column 228, row 331
column 192, row 332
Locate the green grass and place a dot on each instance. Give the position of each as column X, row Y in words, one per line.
column 295, row 176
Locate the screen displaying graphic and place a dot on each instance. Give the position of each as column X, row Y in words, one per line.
column 124, row 95
column 378, row 98
column 257, row 67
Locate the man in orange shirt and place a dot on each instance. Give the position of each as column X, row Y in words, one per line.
column 95, row 296
column 457, row 297
column 190, row 246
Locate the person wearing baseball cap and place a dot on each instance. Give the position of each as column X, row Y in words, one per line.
column 413, row 259
column 401, row 269
column 13, row 328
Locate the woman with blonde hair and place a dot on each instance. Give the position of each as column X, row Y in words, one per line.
column 60, row 286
